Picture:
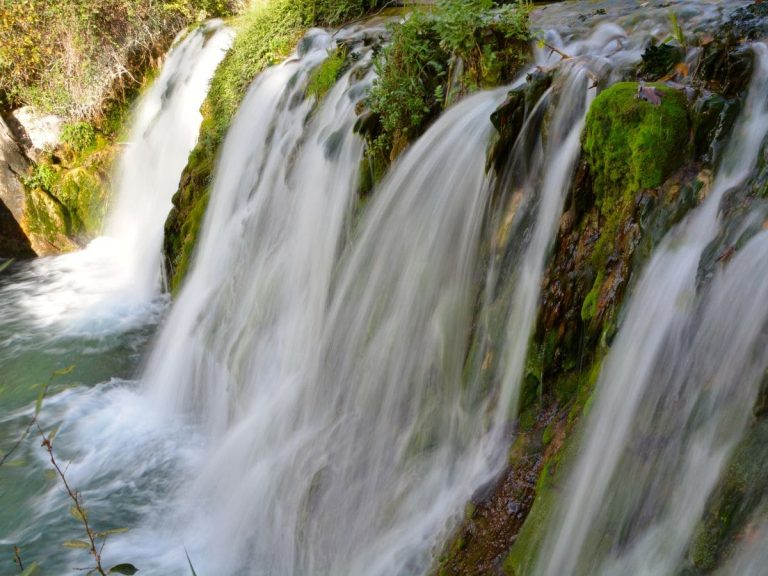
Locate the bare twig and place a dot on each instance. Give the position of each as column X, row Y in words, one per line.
column 17, row 558
column 557, row 51
column 77, row 501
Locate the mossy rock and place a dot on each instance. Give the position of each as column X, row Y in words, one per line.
column 47, row 223
column 631, row 144
column 738, row 495
column 323, row 77
column 86, row 195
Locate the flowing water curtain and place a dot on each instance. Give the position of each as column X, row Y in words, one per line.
column 678, row 384
column 114, row 283
column 350, row 445
column 163, row 134
column 246, row 327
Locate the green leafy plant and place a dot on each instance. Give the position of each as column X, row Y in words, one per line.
column 325, row 76
column 419, row 72
column 412, row 73
column 79, row 135
column 41, row 176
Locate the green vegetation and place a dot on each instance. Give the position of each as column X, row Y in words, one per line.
column 325, row 76
column 558, row 457
column 417, row 72
column 630, row 145
column 79, row 136
column 70, row 57
column 265, row 36
column 68, row 189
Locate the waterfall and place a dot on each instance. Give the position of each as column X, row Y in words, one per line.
column 339, row 375
column 334, row 443
column 163, row 133
column 680, row 380
column 115, row 281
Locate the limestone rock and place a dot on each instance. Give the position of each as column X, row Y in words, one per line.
column 42, row 131
column 13, row 164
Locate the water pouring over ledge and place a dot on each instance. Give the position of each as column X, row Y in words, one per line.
column 84, row 309
column 684, row 372
column 114, row 283
column 334, row 445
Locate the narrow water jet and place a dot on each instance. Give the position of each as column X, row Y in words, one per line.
column 680, row 380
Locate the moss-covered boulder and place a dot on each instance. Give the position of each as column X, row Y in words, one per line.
column 85, row 190
column 632, row 144
column 67, row 195
column 47, row 223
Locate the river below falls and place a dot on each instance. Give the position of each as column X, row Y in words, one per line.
column 122, row 459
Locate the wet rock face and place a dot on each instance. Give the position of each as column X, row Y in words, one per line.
column 48, row 223
column 750, row 23
column 743, row 214
column 13, row 164
column 13, row 242
column 508, row 119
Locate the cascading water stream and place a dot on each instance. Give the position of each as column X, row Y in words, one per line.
column 163, row 133
column 681, row 378
column 114, row 283
column 335, row 445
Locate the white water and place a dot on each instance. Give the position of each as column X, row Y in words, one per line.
column 682, row 374
column 335, row 443
column 164, row 132
column 115, row 282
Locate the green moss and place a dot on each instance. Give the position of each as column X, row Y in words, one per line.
column 523, row 554
column 46, row 220
column 325, row 76
column 78, row 135
column 85, row 193
column 631, row 145
column 189, row 233
column 589, row 307
column 739, row 493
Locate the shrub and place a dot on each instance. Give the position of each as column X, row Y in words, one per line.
column 416, row 77
column 66, row 56
column 409, row 90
